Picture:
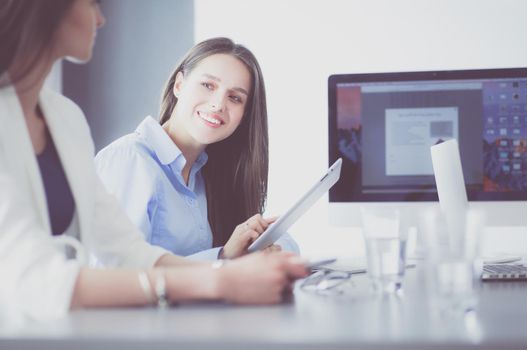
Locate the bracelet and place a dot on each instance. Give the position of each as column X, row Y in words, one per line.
column 161, row 292
column 144, row 282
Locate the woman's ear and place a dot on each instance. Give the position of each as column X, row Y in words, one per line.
column 178, row 84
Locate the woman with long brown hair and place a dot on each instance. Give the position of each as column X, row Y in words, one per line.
column 51, row 195
column 189, row 181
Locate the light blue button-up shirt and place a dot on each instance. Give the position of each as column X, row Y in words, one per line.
column 143, row 170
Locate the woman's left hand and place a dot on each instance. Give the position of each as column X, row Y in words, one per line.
column 246, row 233
column 272, row 248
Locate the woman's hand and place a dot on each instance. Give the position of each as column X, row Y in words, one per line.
column 259, row 278
column 272, row 249
column 246, row 233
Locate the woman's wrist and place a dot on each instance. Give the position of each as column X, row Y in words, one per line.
column 218, row 279
column 201, row 282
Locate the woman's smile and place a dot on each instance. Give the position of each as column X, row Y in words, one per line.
column 211, row 119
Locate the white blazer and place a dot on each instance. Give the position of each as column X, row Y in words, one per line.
column 34, row 271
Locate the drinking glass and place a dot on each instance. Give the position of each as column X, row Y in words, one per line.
column 385, row 248
column 451, row 269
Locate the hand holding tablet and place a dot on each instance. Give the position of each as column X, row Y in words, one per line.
column 278, row 228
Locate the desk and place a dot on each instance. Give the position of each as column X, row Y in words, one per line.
column 309, row 322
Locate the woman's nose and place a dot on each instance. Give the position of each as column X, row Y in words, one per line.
column 217, row 103
column 101, row 20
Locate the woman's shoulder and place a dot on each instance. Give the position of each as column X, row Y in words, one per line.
column 57, row 100
column 61, row 108
column 130, row 148
column 126, row 162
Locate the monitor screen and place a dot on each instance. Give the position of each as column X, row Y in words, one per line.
column 383, row 124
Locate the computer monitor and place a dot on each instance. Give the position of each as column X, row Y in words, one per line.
column 383, row 124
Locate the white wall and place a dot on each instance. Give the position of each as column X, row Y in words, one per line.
column 299, row 43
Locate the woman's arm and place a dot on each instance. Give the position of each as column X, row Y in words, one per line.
column 103, row 287
column 171, row 260
column 37, row 279
column 122, row 287
column 254, row 279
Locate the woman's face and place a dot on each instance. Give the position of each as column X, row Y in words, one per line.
column 212, row 98
column 76, row 33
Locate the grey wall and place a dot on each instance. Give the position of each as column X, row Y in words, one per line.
column 134, row 54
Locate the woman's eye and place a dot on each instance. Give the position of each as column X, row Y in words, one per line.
column 236, row 99
column 207, row 86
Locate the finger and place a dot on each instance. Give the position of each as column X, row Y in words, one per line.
column 257, row 220
column 243, row 241
column 273, row 249
column 241, row 228
column 271, row 219
column 251, row 236
column 257, row 223
column 249, row 221
column 291, row 256
column 288, row 289
column 247, row 227
column 261, row 221
column 296, row 268
column 267, row 250
column 257, row 226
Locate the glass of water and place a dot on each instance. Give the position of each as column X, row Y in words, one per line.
column 452, row 278
column 385, row 248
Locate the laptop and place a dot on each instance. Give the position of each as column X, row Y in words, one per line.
column 453, row 199
column 505, row 271
column 280, row 226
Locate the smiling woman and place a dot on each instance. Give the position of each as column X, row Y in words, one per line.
column 212, row 101
column 202, row 170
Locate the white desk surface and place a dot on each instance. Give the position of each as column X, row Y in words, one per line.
column 357, row 321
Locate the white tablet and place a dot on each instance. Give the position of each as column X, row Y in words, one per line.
column 280, row 226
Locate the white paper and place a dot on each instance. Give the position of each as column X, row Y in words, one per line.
column 451, row 190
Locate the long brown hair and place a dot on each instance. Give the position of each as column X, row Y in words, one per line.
column 27, row 29
column 236, row 171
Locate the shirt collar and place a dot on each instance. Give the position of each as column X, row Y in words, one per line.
column 162, row 145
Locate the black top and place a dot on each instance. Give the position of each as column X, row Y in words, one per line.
column 58, row 192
